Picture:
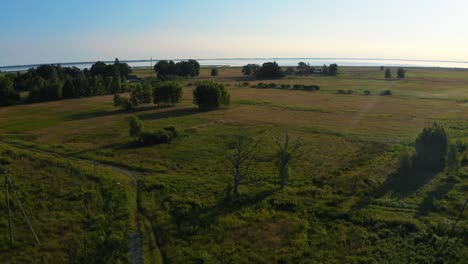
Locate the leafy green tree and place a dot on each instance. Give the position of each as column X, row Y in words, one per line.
column 431, row 146
column 7, row 92
column 167, row 93
column 210, row 95
column 116, row 85
column 382, row 68
column 324, row 70
column 269, row 70
column 135, row 127
column 214, row 72
column 250, row 69
column 68, row 90
column 388, row 74
column 165, row 68
column 333, row 69
column 141, row 94
column 303, row 68
column 401, row 73
column 122, row 102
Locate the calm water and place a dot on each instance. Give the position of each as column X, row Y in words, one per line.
column 280, row 61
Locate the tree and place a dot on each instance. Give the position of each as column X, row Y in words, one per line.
column 382, row 68
column 324, row 70
column 401, row 73
column 285, row 154
column 431, row 146
column 240, row 159
column 388, row 74
column 7, row 93
column 333, row 69
column 214, row 72
column 210, row 95
column 250, row 69
column 141, row 94
column 167, row 93
column 116, row 85
column 122, row 102
column 68, row 90
column 303, row 68
column 135, row 127
column 269, row 70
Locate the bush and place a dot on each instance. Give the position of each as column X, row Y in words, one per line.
column 163, row 136
column 168, row 93
column 272, row 85
column 401, row 73
column 135, row 126
column 385, row 93
column 122, row 102
column 214, row 72
column 341, row 91
column 210, row 95
column 366, row 92
column 388, row 74
column 285, row 86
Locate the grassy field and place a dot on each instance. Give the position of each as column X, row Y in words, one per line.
column 337, row 207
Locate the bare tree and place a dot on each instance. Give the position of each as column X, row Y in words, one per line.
column 240, row 159
column 287, row 151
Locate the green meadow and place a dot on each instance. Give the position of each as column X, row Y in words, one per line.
column 339, row 206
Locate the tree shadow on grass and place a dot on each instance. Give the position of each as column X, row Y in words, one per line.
column 177, row 112
column 81, row 116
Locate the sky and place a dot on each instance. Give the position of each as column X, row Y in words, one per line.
column 48, row 31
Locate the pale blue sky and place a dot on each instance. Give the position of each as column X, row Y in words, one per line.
column 41, row 31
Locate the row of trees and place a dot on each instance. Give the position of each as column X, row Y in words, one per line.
column 167, row 69
column 53, row 82
column 207, row 95
column 271, row 70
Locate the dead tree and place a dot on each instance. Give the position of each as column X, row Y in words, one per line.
column 287, row 152
column 240, row 159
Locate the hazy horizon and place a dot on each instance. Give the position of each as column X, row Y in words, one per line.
column 55, row 31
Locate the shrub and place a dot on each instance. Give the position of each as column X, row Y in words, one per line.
column 168, row 93
column 385, row 92
column 401, row 73
column 341, row 91
column 388, row 74
column 122, row 102
column 214, row 72
column 163, row 136
column 210, row 95
column 285, row 86
column 367, row 92
column 272, row 85
column 135, row 126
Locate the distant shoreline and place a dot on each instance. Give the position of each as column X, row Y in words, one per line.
column 237, row 62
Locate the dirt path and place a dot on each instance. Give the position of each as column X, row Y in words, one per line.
column 136, row 252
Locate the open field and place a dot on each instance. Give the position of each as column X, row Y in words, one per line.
column 336, row 209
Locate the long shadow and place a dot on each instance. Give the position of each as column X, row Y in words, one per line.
column 170, row 113
column 81, row 116
column 427, row 205
column 205, row 217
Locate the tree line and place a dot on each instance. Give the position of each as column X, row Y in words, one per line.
column 207, row 95
column 169, row 70
column 271, row 70
column 54, row 82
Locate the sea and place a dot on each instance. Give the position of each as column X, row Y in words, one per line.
column 236, row 62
